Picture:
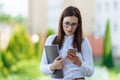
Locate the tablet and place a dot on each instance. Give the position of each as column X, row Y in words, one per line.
column 52, row 52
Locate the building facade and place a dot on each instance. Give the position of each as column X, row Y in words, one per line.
column 108, row 10
column 45, row 13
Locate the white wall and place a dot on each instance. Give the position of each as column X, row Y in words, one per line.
column 104, row 10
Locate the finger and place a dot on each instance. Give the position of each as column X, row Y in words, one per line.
column 72, row 54
column 70, row 58
column 61, row 61
column 58, row 58
column 62, row 66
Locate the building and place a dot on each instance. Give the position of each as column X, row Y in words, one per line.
column 46, row 13
column 104, row 10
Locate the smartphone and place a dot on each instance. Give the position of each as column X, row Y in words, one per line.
column 71, row 51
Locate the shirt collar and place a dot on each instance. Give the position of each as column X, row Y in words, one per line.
column 69, row 36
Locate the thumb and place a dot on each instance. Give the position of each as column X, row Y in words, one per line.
column 58, row 58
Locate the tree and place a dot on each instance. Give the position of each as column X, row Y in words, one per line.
column 107, row 50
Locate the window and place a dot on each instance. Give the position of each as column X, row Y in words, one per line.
column 115, row 27
column 107, row 6
column 115, row 4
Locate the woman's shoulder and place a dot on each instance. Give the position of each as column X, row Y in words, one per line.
column 50, row 39
column 86, row 44
column 52, row 36
column 85, row 40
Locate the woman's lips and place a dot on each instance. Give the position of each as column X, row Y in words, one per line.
column 69, row 31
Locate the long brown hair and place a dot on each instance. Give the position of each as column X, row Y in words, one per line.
column 77, row 41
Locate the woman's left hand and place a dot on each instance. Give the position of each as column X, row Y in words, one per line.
column 73, row 58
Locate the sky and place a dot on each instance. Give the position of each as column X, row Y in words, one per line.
column 15, row 7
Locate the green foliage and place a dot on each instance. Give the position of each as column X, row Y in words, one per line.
column 1, row 62
column 37, row 49
column 26, row 70
column 19, row 48
column 20, row 45
column 107, row 52
column 4, row 65
column 50, row 32
column 14, row 60
column 6, row 18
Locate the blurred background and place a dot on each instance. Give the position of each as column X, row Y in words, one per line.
column 25, row 25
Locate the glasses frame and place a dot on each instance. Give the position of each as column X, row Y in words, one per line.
column 72, row 25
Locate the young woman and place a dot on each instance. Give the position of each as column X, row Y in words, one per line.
column 70, row 36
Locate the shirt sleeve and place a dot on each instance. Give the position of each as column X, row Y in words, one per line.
column 87, row 66
column 44, row 66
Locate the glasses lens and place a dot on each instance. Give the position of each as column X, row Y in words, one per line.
column 67, row 25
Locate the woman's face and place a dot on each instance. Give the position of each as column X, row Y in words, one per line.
column 70, row 24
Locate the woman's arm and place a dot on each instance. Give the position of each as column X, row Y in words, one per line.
column 87, row 66
column 44, row 66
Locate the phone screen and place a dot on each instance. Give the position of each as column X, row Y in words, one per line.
column 71, row 51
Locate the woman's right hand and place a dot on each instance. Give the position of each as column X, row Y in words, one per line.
column 57, row 64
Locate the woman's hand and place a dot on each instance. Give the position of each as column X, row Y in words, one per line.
column 57, row 64
column 74, row 59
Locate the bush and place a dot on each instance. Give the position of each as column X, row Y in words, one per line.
column 20, row 45
column 19, row 48
column 107, row 52
column 50, row 32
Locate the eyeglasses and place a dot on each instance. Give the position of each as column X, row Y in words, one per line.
column 67, row 25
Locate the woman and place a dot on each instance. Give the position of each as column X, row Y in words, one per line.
column 74, row 66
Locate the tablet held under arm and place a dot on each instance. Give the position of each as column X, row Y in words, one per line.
column 52, row 52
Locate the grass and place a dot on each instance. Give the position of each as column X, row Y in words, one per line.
column 29, row 70
column 113, row 73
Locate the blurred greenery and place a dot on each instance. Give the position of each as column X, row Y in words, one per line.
column 8, row 19
column 19, row 48
column 50, row 32
column 20, row 60
column 38, row 49
column 107, row 50
column 105, row 73
column 20, row 45
column 27, row 70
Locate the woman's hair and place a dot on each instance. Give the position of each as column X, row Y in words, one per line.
column 77, row 41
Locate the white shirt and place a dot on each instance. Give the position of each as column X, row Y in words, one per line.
column 70, row 70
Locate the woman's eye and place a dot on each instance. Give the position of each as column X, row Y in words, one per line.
column 67, row 23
